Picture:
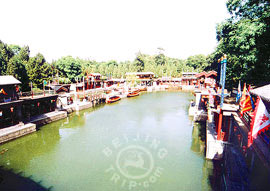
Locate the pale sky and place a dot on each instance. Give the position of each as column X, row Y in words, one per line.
column 112, row 29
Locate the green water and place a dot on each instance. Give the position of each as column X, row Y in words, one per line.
column 142, row 143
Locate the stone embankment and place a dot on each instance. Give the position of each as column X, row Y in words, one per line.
column 16, row 131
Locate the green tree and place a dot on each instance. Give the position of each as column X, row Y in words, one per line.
column 38, row 70
column 160, row 59
column 16, row 68
column 69, row 67
column 198, row 62
column 245, row 38
column 5, row 54
column 24, row 53
column 16, row 64
column 139, row 61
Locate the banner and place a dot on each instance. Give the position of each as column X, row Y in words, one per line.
column 243, row 97
column 246, row 102
column 239, row 92
column 261, row 120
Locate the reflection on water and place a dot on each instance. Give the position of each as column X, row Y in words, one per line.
column 211, row 169
column 142, row 143
column 198, row 139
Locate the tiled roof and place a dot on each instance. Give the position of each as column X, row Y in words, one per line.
column 206, row 74
column 263, row 92
column 139, row 73
column 8, row 80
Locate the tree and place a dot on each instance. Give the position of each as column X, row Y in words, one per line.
column 88, row 66
column 14, row 48
column 198, row 62
column 245, row 38
column 160, row 59
column 16, row 68
column 139, row 61
column 24, row 53
column 15, row 62
column 38, row 70
column 69, row 67
column 5, row 54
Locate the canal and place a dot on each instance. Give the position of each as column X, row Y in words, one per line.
column 144, row 143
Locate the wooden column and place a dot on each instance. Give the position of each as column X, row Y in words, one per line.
column 19, row 112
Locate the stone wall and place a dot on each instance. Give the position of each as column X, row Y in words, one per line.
column 16, row 131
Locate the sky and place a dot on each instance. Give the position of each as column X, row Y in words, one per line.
column 105, row 30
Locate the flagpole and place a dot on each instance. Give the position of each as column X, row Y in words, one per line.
column 222, row 83
column 32, row 90
column 220, row 71
column 223, row 65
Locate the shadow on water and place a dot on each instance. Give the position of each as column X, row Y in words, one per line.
column 16, row 182
column 27, row 148
column 212, row 169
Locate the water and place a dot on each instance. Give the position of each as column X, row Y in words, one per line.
column 143, row 143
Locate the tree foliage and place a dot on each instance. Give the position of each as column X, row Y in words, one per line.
column 69, row 67
column 16, row 61
column 5, row 55
column 245, row 38
column 198, row 62
column 38, row 70
column 140, row 62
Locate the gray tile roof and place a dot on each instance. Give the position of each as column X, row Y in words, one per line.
column 263, row 92
column 139, row 73
column 8, row 80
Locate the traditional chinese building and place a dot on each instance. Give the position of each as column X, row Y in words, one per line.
column 206, row 79
column 144, row 78
column 10, row 105
column 165, row 80
column 176, row 81
column 169, row 81
column 15, row 108
column 114, row 81
column 37, row 105
column 93, row 81
column 189, row 78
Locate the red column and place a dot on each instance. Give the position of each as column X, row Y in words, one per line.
column 219, row 124
column 216, row 121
